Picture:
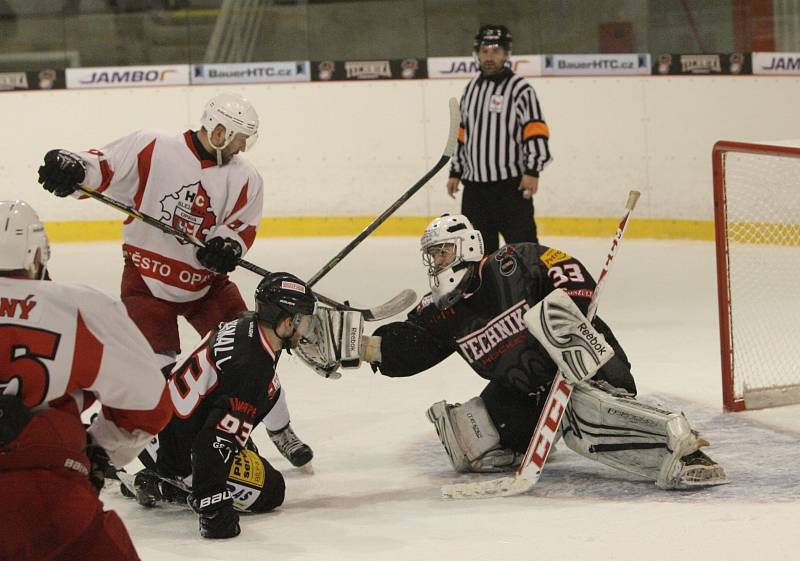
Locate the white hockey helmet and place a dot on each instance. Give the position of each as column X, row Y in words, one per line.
column 449, row 244
column 21, row 235
column 236, row 114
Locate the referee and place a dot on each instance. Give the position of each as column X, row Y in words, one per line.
column 502, row 145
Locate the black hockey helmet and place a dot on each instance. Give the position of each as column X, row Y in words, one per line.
column 492, row 34
column 280, row 294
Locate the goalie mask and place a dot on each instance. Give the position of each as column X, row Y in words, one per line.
column 449, row 245
column 236, row 114
column 280, row 295
column 22, row 235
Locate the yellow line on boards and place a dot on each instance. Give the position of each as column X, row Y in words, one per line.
column 318, row 226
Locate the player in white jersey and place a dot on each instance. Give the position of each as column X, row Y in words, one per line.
column 62, row 347
column 197, row 183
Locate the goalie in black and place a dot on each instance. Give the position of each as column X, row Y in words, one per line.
column 517, row 316
column 205, row 455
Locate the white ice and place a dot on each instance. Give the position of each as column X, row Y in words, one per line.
column 379, row 465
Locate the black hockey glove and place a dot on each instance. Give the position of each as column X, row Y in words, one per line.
column 14, row 417
column 100, row 465
column 220, row 254
column 218, row 519
column 62, row 172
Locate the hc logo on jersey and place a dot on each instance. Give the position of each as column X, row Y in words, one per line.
column 189, row 210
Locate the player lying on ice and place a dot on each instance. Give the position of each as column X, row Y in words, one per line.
column 488, row 310
column 220, row 393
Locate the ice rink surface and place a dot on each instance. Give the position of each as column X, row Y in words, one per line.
column 379, row 465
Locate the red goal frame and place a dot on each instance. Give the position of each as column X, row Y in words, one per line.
column 731, row 402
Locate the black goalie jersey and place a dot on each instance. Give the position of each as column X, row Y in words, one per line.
column 220, row 392
column 486, row 326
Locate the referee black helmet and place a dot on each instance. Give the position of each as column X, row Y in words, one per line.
column 492, row 34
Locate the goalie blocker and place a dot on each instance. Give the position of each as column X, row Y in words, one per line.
column 570, row 339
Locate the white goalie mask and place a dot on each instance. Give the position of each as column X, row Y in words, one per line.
column 236, row 114
column 21, row 235
column 449, row 244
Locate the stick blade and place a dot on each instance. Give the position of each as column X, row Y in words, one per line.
column 404, row 300
column 127, row 480
column 452, row 136
column 503, row 487
column 633, row 198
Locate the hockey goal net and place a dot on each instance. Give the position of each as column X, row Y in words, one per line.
column 757, row 221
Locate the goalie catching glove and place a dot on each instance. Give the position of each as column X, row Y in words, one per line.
column 333, row 340
column 576, row 347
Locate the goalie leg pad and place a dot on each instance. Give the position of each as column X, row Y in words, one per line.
column 623, row 433
column 470, row 437
column 439, row 415
column 576, row 347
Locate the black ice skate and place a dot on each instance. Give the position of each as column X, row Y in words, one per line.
column 292, row 448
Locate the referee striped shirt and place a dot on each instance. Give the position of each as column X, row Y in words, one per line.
column 503, row 133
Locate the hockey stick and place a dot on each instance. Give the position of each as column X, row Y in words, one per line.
column 393, row 307
column 530, row 470
column 449, row 149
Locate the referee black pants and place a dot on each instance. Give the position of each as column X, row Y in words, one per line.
column 497, row 208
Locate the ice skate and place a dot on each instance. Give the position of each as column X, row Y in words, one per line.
column 292, row 448
column 699, row 470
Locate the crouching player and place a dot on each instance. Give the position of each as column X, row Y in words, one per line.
column 516, row 316
column 220, row 392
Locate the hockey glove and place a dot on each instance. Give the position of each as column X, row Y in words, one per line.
column 218, row 519
column 221, row 255
column 62, row 172
column 333, row 340
column 14, row 417
column 570, row 339
column 100, row 465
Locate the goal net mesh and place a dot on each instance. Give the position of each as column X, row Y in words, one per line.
column 762, row 227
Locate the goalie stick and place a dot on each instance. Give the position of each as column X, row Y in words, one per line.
column 393, row 307
column 530, row 469
column 449, row 149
